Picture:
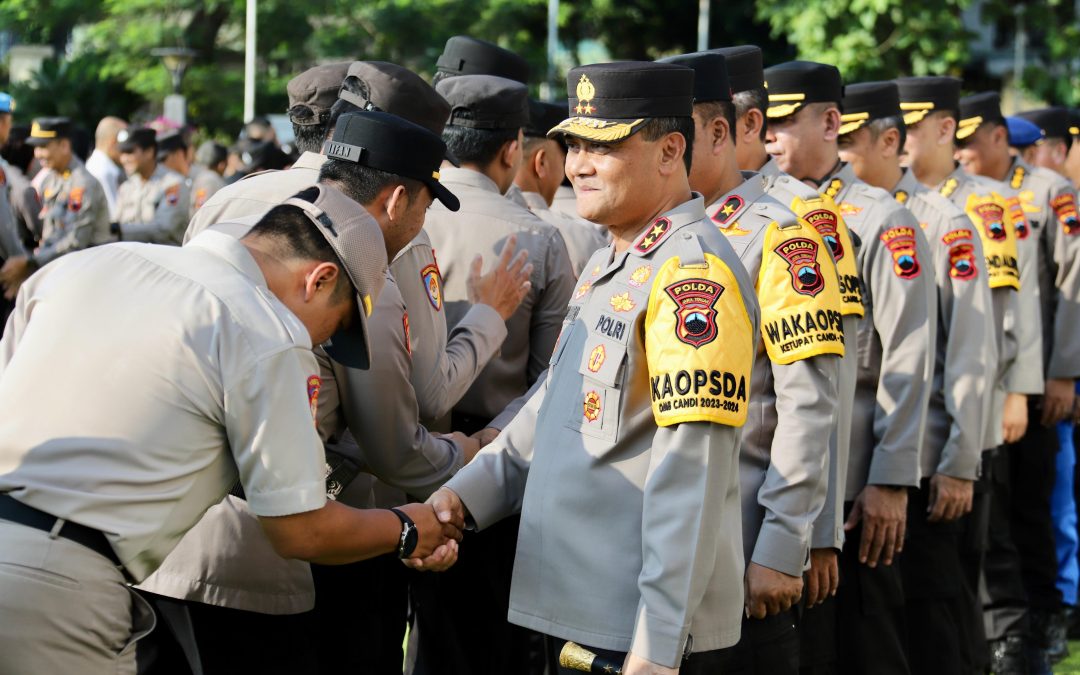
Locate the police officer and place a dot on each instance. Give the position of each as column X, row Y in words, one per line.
column 624, row 463
column 484, row 132
column 206, row 173
column 539, row 177
column 97, row 489
column 17, row 158
column 1051, row 150
column 74, row 211
column 890, row 408
column 936, row 598
column 746, row 73
column 1045, row 204
column 152, row 204
column 783, row 458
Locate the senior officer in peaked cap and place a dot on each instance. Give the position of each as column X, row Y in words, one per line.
column 102, row 481
column 75, row 213
column 624, row 463
column 894, row 376
column 938, row 598
column 746, row 75
column 793, row 392
column 1047, row 234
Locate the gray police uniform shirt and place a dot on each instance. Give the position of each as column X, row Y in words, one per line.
column 74, row 213
column 482, row 225
column 25, row 205
column 895, row 361
column 154, row 210
column 822, row 212
column 1049, row 204
column 581, row 237
column 784, row 457
column 444, row 364
column 624, row 464
column 204, row 184
column 10, row 241
column 984, row 202
column 256, row 193
column 953, row 442
column 148, row 430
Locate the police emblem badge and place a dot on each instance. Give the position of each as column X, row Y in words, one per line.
column 597, row 358
column 801, row 256
column 961, row 254
column 433, row 285
column 172, row 195
column 695, row 310
column 75, row 199
column 1019, row 218
column 585, row 93
column 901, row 243
column 591, row 406
column 639, row 276
column 1064, row 206
column 824, row 221
column 992, row 216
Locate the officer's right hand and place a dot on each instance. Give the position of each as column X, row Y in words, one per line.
column 949, row 498
column 1014, row 417
column 770, row 592
column 823, row 577
column 883, row 512
column 433, row 531
column 506, row 285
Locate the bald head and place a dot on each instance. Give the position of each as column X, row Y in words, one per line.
column 105, row 136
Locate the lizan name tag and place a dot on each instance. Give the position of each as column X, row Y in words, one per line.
column 350, row 153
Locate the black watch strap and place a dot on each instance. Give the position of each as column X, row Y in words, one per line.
column 409, row 535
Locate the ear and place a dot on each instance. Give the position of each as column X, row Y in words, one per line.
column 749, row 126
column 508, row 156
column 889, row 143
column 1000, row 135
column 947, row 131
column 322, row 277
column 831, row 124
column 397, row 202
column 540, row 161
column 672, row 150
column 719, row 132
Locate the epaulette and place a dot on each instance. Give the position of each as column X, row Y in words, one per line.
column 1016, row 181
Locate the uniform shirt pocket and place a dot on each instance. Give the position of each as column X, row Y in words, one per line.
column 595, row 412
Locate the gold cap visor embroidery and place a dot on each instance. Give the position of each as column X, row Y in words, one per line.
column 968, row 127
column 852, row 122
column 601, row 131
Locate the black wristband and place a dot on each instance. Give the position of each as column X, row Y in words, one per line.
column 410, row 537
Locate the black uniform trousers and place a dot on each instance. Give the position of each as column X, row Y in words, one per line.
column 939, row 608
column 768, row 646
column 361, row 611
column 1021, row 560
column 701, row 663
column 973, row 543
column 863, row 629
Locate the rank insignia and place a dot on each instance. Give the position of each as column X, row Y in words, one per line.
column 726, row 212
column 75, row 199
column 1019, row 218
column 695, row 310
column 733, row 230
column 641, row 275
column 1064, row 206
column 901, row 196
column 801, row 256
column 622, row 302
column 591, row 406
column 1017, row 178
column 313, row 386
column 582, row 290
column 597, row 358
column 849, row 209
column 901, row 243
column 433, row 285
column 172, row 195
column 949, row 187
column 835, row 186
column 408, row 336
column 585, row 93
column 993, row 219
column 824, row 221
column 653, row 236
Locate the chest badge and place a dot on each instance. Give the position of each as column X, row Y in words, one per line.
column 597, row 358
column 75, row 199
column 622, row 302
column 433, row 285
column 641, row 275
column 695, row 310
column 582, row 290
column 591, row 406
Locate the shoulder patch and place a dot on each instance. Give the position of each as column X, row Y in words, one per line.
column 172, row 195
column 962, row 263
column 314, row 383
column 432, row 280
column 799, row 296
column 1064, row 206
column 823, row 215
column 694, row 376
column 901, row 243
column 653, row 235
column 408, row 335
column 75, row 199
column 1019, row 219
column 987, row 213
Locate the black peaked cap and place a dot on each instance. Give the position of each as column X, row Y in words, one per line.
column 976, row 110
column 868, row 101
column 710, row 75
column 745, row 67
column 464, row 55
column 919, row 96
column 1054, row 122
column 793, row 84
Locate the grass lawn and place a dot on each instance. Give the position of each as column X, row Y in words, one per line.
column 1071, row 664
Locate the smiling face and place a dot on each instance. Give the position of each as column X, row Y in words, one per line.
column 612, row 180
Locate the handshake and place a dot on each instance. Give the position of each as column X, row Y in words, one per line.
column 439, row 524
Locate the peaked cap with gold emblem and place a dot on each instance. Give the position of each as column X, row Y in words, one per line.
column 612, row 101
column 46, row 129
column 976, row 110
column 919, row 96
column 868, row 101
column 1054, row 122
column 793, row 84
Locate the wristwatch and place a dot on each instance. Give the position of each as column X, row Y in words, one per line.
column 409, row 535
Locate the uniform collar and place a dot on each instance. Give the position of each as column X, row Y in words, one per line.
column 907, row 187
column 729, row 207
column 461, row 176
column 666, row 224
column 836, row 184
column 310, row 160
column 535, row 201
column 770, row 169
column 232, row 251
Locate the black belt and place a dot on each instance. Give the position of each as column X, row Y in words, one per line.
column 15, row 511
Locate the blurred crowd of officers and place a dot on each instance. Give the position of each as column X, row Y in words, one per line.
column 815, row 416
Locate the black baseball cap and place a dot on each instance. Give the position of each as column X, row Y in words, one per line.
column 745, row 67
column 45, row 129
column 710, row 75
column 392, row 144
column 129, row 139
column 793, row 84
column 396, row 90
column 612, row 101
column 542, row 116
column 976, row 110
column 919, row 96
column 312, row 92
column 485, row 102
column 868, row 101
column 1054, row 122
column 464, row 55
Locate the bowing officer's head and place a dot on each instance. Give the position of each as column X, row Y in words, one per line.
column 629, row 136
